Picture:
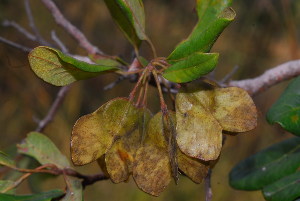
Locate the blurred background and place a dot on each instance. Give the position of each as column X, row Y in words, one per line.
column 264, row 34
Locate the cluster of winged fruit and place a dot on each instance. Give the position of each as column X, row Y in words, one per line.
column 127, row 140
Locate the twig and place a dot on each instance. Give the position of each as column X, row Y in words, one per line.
column 60, row 44
column 114, row 83
column 208, row 191
column 52, row 169
column 53, row 109
column 15, row 45
column 86, row 179
column 70, row 28
column 25, row 176
column 269, row 78
column 37, row 34
column 8, row 23
column 229, row 75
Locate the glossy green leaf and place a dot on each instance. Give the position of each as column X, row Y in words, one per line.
column 59, row 69
column 4, row 184
column 74, row 189
column 191, row 68
column 94, row 134
column 214, row 17
column 267, row 166
column 6, row 161
column 285, row 189
column 43, row 150
column 286, row 110
column 45, row 196
column 130, row 17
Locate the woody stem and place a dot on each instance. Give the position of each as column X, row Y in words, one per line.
column 163, row 105
column 133, row 92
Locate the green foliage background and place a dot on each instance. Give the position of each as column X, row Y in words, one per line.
column 262, row 36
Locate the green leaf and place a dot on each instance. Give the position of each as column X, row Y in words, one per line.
column 59, row 69
column 43, row 150
column 267, row 166
column 130, row 17
column 4, row 184
column 74, row 190
column 191, row 68
column 286, row 110
column 45, row 196
column 285, row 189
column 6, row 161
column 214, row 17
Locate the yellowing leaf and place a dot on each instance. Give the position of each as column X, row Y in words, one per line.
column 194, row 168
column 119, row 159
column 203, row 114
column 199, row 135
column 94, row 134
column 152, row 170
column 116, row 160
column 234, row 109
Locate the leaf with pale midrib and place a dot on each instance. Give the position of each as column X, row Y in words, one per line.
column 267, row 166
column 286, row 110
column 285, row 189
column 191, row 68
column 214, row 17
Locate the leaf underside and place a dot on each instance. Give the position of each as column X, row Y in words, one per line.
column 43, row 150
column 59, row 69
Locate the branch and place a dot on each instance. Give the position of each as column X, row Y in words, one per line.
column 15, row 45
column 86, row 179
column 60, row 44
column 70, row 28
column 269, row 78
column 37, row 34
column 54, row 170
column 207, row 184
column 53, row 109
column 7, row 23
